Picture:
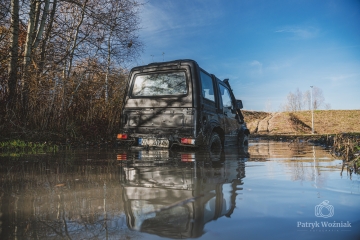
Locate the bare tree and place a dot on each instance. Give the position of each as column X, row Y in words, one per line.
column 118, row 28
column 37, row 17
column 317, row 98
column 291, row 102
column 307, row 99
column 327, row 106
column 49, row 49
column 5, row 10
column 294, row 101
column 299, row 101
column 14, row 49
column 45, row 41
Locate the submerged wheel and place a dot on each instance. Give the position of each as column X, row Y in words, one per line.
column 243, row 140
column 215, row 144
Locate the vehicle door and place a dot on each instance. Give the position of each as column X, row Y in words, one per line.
column 209, row 102
column 228, row 115
column 160, row 102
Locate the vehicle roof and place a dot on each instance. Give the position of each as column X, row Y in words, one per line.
column 168, row 63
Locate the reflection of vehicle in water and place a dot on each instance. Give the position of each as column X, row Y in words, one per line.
column 175, row 199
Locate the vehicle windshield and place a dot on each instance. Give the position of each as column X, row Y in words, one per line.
column 160, row 84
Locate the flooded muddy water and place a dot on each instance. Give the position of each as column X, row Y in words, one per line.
column 271, row 190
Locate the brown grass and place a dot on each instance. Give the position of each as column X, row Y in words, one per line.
column 81, row 114
column 332, row 121
column 325, row 122
column 253, row 118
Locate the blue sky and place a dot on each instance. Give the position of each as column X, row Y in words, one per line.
column 266, row 48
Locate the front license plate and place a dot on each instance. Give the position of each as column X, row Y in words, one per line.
column 154, row 142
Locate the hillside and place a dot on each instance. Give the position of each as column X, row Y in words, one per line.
column 325, row 122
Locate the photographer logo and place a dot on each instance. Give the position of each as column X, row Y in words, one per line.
column 324, row 210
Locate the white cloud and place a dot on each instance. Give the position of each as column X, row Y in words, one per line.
column 256, row 63
column 155, row 19
column 256, row 68
column 300, row 32
column 172, row 15
column 168, row 25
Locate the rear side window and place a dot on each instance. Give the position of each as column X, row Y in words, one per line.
column 225, row 97
column 207, row 86
column 159, row 84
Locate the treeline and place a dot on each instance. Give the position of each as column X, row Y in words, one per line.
column 63, row 66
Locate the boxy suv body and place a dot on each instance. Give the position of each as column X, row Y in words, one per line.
column 179, row 103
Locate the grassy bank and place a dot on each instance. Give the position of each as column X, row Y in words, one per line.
column 300, row 123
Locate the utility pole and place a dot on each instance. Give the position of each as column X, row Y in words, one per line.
column 312, row 111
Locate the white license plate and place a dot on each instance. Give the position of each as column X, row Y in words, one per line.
column 153, row 142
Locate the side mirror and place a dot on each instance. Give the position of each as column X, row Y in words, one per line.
column 239, row 104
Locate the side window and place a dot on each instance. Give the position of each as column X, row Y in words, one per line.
column 207, row 87
column 226, row 99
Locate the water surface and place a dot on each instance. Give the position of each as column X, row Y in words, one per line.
column 272, row 190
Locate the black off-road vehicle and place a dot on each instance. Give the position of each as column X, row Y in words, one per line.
column 179, row 103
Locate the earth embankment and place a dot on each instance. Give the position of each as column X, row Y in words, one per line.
column 300, row 123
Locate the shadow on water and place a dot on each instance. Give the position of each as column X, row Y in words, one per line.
column 92, row 195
